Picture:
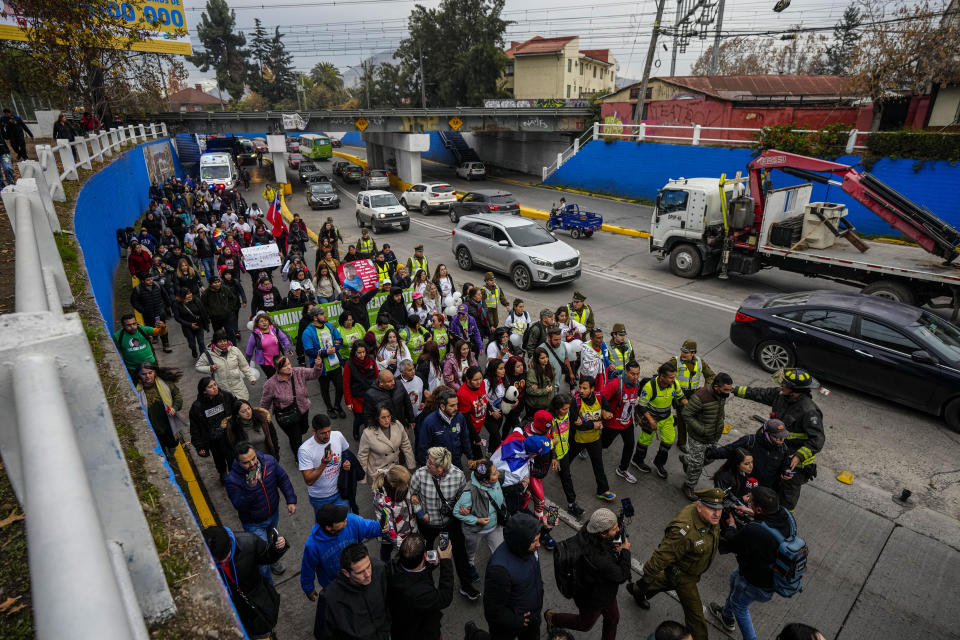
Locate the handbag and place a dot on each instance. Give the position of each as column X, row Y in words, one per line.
column 446, row 509
column 290, row 414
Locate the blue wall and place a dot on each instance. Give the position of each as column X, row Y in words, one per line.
column 439, row 153
column 353, row 139
column 113, row 197
column 639, row 170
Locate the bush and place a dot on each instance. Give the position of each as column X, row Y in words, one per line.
column 828, row 141
column 916, row 145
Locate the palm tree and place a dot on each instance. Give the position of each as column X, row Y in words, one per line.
column 324, row 74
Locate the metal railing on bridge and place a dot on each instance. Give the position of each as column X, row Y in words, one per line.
column 94, row 570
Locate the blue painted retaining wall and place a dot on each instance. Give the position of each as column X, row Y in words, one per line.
column 639, row 170
column 113, row 197
column 353, row 139
column 439, row 153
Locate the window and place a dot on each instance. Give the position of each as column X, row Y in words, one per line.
column 483, row 230
column 508, row 69
column 569, row 65
column 883, row 336
column 672, row 200
column 530, row 235
column 581, row 68
column 470, row 227
column 828, row 320
column 595, row 72
column 944, row 334
column 568, row 91
column 499, row 234
column 384, row 200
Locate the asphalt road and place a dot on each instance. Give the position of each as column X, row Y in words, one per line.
column 876, row 570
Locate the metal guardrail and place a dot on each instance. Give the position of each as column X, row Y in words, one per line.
column 94, row 569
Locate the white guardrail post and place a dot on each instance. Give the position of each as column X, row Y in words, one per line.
column 83, row 154
column 596, row 131
column 96, row 151
column 106, row 144
column 66, row 159
column 143, row 132
column 851, row 141
column 51, row 172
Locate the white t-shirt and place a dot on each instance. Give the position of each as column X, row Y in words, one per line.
column 414, row 389
column 310, row 456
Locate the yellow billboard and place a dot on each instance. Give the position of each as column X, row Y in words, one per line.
column 165, row 19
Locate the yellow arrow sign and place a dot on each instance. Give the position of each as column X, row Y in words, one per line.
column 455, row 123
column 362, row 123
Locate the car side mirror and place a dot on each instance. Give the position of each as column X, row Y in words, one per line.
column 923, row 357
column 503, row 243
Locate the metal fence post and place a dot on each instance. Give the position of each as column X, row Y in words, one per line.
column 642, row 131
column 66, row 159
column 851, row 141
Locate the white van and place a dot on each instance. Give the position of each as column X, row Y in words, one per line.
column 218, row 168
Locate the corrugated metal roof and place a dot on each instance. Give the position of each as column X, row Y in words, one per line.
column 193, row 96
column 733, row 87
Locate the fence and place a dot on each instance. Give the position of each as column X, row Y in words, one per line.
column 94, row 568
column 694, row 135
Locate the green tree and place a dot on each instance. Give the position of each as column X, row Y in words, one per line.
column 282, row 87
column 839, row 53
column 324, row 87
column 223, row 48
column 326, row 75
column 391, row 87
column 259, row 56
column 460, row 44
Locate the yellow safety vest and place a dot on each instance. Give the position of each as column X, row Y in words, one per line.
column 689, row 380
column 383, row 271
column 619, row 359
column 580, row 317
column 492, row 297
column 560, row 436
column 661, row 405
column 418, row 265
column 366, row 246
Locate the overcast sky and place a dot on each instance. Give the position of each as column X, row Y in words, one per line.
column 345, row 32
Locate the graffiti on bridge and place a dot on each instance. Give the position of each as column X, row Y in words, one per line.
column 419, row 124
column 539, row 103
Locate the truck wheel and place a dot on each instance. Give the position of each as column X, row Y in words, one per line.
column 575, row 234
column 521, row 277
column 891, row 290
column 424, row 208
column 464, row 259
column 359, row 221
column 685, row 261
column 773, row 355
column 550, row 226
column 951, row 414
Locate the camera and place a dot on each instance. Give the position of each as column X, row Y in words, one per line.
column 431, row 556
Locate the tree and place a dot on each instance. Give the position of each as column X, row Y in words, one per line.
column 461, row 46
column 904, row 52
column 283, row 82
column 839, row 54
column 737, row 57
column 324, row 74
column 789, row 54
column 324, row 87
column 223, row 48
column 259, row 54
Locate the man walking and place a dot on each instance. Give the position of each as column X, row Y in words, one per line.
column 686, row 551
column 418, row 262
column 221, row 303
column 416, row 603
column 580, row 312
column 622, row 394
column 322, row 340
column 536, row 333
column 153, row 303
column 385, row 392
column 253, row 486
column 656, row 409
column 320, row 459
column 704, row 416
column 692, row 374
column 513, row 583
column 621, row 350
column 446, row 427
column 13, row 130
column 603, row 566
column 357, row 599
column 559, row 359
column 492, row 296
column 133, row 341
column 366, row 246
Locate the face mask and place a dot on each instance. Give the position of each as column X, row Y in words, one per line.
column 721, row 395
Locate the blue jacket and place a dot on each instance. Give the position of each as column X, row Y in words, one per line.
column 472, row 333
column 312, row 346
column 260, row 502
column 435, row 432
column 321, row 553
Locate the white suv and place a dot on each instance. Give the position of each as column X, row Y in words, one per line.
column 379, row 210
column 471, row 170
column 428, row 197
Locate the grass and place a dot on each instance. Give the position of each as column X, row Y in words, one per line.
column 14, row 572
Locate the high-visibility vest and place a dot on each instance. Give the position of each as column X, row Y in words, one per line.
column 660, row 405
column 492, row 297
column 383, row 271
column 579, row 316
column 689, row 380
column 560, row 436
column 366, row 245
column 619, row 359
column 590, row 413
column 417, row 265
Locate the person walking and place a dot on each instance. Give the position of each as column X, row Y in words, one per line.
column 62, row 130
column 220, row 303
column 391, row 503
column 320, row 460
column 357, row 599
column 481, row 511
column 472, row 404
column 604, row 564
column 321, row 342
column 133, row 341
column 692, row 374
column 513, row 583
column 756, row 546
column 621, row 350
column 536, row 333
column 14, row 130
column 446, row 427
column 227, row 365
column 416, row 602
column 792, row 403
column 366, row 246
column 586, row 419
column 622, row 394
column 385, row 392
column 207, row 415
column 384, row 443
column 254, row 485
column 464, row 327
column 153, row 303
column 655, row 406
column 455, row 364
column 767, row 446
column 559, row 358
column 704, row 417
column 287, row 397
column 247, row 418
column 359, row 375
column 266, row 342
column 687, row 550
column 581, row 312
column 539, row 387
column 159, row 393
column 493, row 295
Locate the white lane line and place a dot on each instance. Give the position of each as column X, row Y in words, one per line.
column 652, row 288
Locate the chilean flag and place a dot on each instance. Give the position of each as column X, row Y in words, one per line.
column 511, row 459
column 274, row 216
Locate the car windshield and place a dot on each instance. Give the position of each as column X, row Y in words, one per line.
column 441, row 188
column 214, row 172
column 942, row 333
column 321, row 187
column 384, row 200
column 378, row 174
column 308, row 166
column 529, row 235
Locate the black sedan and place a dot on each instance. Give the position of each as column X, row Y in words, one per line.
column 871, row 344
column 322, row 195
column 351, row 173
column 484, row 201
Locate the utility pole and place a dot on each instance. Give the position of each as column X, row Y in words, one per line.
column 673, row 52
column 638, row 114
column 715, row 58
column 423, row 81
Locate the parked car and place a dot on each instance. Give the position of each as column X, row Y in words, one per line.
column 376, row 179
column 294, row 160
column 336, row 143
column 428, row 197
column 337, row 167
column 310, row 172
column 472, row 171
column 484, row 201
column 524, row 250
column 352, row 173
column 871, row 344
column 322, row 195
column 378, row 210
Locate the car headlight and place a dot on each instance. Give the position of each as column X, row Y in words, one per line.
column 541, row 262
column 383, row 215
column 403, row 213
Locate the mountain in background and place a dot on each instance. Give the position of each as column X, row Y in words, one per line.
column 351, row 75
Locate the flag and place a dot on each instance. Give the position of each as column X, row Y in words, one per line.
column 274, row 217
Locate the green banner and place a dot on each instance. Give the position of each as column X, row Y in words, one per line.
column 289, row 319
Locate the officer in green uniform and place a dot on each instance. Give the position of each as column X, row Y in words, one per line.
column 492, row 296
column 621, row 350
column 655, row 410
column 792, row 403
column 692, row 373
column 417, row 262
column 688, row 547
column 384, row 272
column 581, row 312
column 366, row 246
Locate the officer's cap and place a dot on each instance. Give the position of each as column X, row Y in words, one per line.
column 689, row 345
column 578, row 297
column 712, row 498
column 619, row 328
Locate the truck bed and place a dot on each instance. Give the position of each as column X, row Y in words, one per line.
column 883, row 257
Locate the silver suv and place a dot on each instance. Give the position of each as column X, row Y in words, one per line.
column 524, row 250
column 376, row 179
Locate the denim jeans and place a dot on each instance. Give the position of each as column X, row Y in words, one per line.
column 322, row 300
column 8, row 177
column 316, row 503
column 742, row 595
column 260, row 529
column 208, row 268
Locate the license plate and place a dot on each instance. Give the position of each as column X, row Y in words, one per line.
column 568, row 274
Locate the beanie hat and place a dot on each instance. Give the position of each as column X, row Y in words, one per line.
column 536, row 445
column 601, row 520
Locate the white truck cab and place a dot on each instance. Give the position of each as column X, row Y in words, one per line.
column 217, row 168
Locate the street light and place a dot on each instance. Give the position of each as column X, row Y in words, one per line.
column 781, row 5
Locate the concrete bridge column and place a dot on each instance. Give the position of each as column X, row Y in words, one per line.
column 403, row 149
column 277, row 146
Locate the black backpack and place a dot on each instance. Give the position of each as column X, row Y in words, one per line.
column 566, row 558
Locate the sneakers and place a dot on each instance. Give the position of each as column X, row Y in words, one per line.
column 641, row 466
column 626, row 475
column 688, row 493
column 277, row 568
column 575, row 510
column 729, row 624
column 609, row 496
column 661, row 471
column 469, row 592
column 548, row 542
column 642, row 601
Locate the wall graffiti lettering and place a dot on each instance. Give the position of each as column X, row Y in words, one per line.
column 685, row 113
column 419, row 124
column 534, row 123
column 541, row 103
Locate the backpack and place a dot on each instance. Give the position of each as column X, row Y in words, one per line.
column 791, row 561
column 566, row 557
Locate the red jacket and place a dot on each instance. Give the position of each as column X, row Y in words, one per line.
column 355, row 386
column 473, row 404
column 139, row 262
column 622, row 399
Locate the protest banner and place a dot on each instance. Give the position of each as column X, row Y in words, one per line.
column 261, row 256
column 289, row 319
column 359, row 273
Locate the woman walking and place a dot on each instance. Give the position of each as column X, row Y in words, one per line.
column 266, row 343
column 227, row 364
column 186, row 277
column 539, row 388
column 384, row 443
column 495, row 378
column 286, row 396
column 193, row 319
column 391, row 497
column 392, row 350
column 160, row 395
column 359, row 375
column 482, row 511
column 247, row 418
column 456, row 364
column 207, row 414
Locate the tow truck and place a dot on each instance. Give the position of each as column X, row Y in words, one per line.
column 710, row 226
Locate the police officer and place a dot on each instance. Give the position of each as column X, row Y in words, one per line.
column 384, row 272
column 621, row 350
column 792, row 404
column 581, row 312
column 692, row 373
column 366, row 246
column 492, row 296
column 418, row 261
column 655, row 409
column 688, row 547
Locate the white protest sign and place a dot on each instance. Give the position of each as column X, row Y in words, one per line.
column 261, row 257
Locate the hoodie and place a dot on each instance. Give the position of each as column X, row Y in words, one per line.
column 513, row 584
column 358, row 612
column 321, row 552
